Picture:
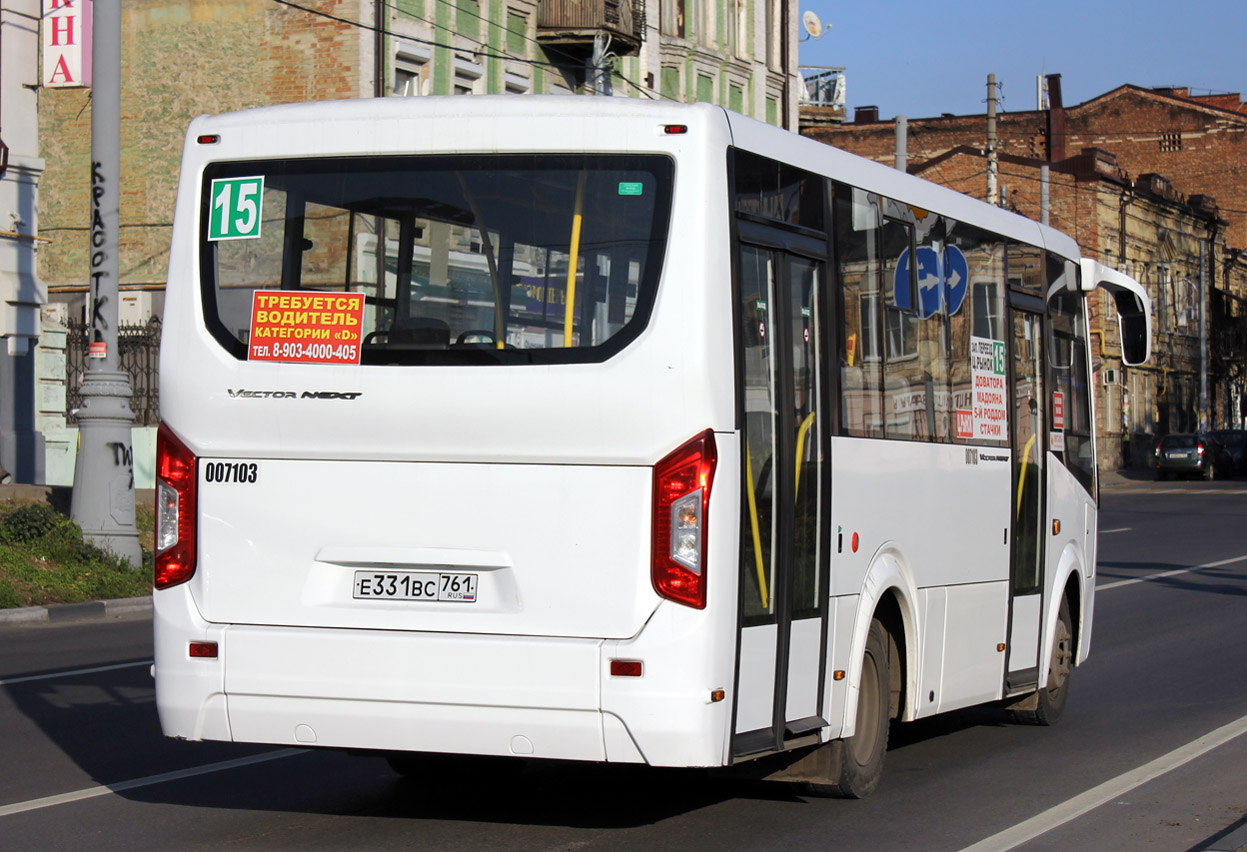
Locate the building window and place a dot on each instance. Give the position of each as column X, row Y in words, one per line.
column 517, row 33
column 517, row 84
column 671, row 18
column 411, row 74
column 467, row 77
column 1171, row 142
column 705, row 88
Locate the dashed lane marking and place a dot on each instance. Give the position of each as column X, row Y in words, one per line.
column 1163, row 574
column 1071, row 809
column 73, row 672
column 148, row 781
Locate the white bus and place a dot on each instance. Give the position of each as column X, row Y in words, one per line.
column 607, row 430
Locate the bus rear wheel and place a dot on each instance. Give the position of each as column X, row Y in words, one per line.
column 861, row 756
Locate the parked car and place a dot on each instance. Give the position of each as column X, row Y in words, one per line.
column 1235, row 443
column 1193, row 455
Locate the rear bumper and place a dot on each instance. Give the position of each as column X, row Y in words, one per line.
column 543, row 697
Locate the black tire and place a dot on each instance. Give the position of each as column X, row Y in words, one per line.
column 861, row 755
column 1055, row 692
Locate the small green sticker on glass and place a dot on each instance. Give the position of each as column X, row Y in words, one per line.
column 629, row 188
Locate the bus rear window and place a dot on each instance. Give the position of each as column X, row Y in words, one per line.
column 459, row 259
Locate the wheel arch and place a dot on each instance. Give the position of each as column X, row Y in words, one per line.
column 1068, row 584
column 889, row 594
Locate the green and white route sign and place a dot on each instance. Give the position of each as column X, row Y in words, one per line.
column 235, row 211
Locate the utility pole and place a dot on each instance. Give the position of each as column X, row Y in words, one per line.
column 1203, row 335
column 103, row 498
column 993, row 194
column 378, row 49
column 902, row 143
column 1045, row 204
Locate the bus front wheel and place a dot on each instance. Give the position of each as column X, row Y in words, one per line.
column 1051, row 698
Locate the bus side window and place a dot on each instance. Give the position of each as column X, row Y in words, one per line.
column 861, row 341
column 978, row 310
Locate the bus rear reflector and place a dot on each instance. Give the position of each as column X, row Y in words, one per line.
column 682, row 484
column 202, row 650
column 626, row 668
column 176, row 486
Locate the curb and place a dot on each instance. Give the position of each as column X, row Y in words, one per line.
column 77, row 612
column 1235, row 841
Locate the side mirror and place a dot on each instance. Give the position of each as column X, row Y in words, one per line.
column 1136, row 333
column 1134, row 309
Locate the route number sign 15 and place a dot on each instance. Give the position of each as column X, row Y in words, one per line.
column 235, row 211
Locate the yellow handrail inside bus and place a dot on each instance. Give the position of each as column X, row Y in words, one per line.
column 805, row 427
column 753, row 524
column 1026, row 454
column 569, row 309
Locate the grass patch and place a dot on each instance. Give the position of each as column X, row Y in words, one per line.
column 44, row 560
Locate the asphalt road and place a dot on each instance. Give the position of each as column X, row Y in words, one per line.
column 1149, row 755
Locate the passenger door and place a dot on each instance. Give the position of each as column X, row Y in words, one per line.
column 1029, row 444
column 784, row 492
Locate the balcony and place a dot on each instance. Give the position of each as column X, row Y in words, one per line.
column 572, row 24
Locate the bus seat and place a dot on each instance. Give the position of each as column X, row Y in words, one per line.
column 423, row 332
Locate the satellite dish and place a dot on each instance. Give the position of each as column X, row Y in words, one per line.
column 813, row 26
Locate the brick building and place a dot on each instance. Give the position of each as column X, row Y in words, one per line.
column 1199, row 142
column 182, row 58
column 1153, row 182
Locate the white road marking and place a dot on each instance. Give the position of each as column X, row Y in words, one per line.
column 150, row 780
column 1071, row 809
column 73, row 672
column 1119, row 583
column 1119, row 529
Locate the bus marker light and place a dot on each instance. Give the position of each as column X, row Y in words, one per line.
column 675, row 129
column 1056, row 526
column 1000, row 647
column 838, row 674
column 203, row 650
column 856, row 541
column 208, row 139
column 625, row 668
column 717, row 695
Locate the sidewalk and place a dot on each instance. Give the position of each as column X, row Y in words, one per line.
column 1111, row 480
column 63, row 613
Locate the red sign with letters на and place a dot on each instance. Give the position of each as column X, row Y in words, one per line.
column 1058, row 410
column 308, row 328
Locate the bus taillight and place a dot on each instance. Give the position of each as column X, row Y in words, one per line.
column 682, row 484
column 176, row 481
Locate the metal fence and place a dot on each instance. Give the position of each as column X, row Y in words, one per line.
column 138, row 353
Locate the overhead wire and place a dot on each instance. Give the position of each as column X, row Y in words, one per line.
column 482, row 49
